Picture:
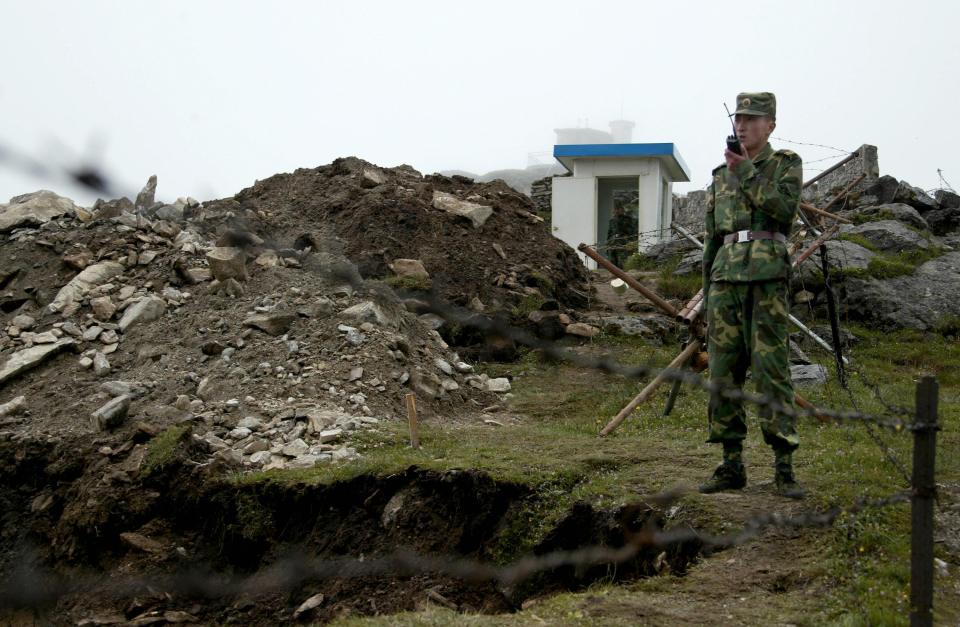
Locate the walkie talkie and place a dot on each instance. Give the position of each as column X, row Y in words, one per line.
column 733, row 144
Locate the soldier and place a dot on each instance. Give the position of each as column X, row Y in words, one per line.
column 751, row 207
column 622, row 233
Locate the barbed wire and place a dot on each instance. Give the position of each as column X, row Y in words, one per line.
column 798, row 143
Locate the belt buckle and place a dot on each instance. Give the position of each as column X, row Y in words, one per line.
column 743, row 236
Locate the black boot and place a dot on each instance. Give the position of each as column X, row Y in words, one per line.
column 783, row 478
column 727, row 476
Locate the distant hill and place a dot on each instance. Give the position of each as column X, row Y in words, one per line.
column 516, row 178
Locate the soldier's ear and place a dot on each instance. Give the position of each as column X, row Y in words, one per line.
column 773, row 125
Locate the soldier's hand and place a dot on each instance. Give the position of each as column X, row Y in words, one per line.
column 734, row 159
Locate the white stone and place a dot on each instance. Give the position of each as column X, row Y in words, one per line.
column 501, row 384
column 144, row 310
column 476, row 213
column 295, row 449
column 80, row 285
column 28, row 358
column 330, row 435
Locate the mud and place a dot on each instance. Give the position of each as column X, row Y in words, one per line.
column 181, row 543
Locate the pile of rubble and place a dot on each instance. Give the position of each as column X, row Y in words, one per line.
column 274, row 350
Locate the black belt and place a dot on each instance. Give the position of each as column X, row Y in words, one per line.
column 749, row 236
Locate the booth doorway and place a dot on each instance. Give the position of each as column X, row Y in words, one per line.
column 623, row 191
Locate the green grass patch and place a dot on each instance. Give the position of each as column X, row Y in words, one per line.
column 410, row 283
column 887, row 266
column 641, row 263
column 163, row 449
column 527, row 304
column 858, row 239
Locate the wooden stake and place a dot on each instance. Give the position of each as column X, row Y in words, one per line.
column 648, row 391
column 412, row 420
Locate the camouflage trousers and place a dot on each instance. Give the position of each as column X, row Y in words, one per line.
column 748, row 328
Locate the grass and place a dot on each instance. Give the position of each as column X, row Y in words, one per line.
column 858, row 569
column 410, row 283
column 162, row 449
column 889, row 266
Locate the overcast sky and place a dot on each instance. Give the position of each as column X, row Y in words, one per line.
column 211, row 96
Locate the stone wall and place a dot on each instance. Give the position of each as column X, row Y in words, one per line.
column 865, row 162
column 541, row 192
column 689, row 210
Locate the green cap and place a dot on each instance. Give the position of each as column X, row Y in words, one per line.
column 757, row 103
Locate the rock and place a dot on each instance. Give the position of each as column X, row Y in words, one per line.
column 101, row 367
column 499, row 385
column 215, row 443
column 896, row 211
column 146, row 257
column 109, row 337
column 170, row 213
column 295, row 449
column 330, row 435
column 409, row 267
column 432, row 321
column 352, row 336
column 368, row 311
column 803, row 297
column 103, row 308
column 303, row 461
column 463, row 367
column 316, row 600
column 914, row 196
column 34, row 209
column 112, row 414
column 813, row 374
column 77, row 288
column 889, row 236
column 47, row 337
column 250, row 422
column 133, row 389
column 92, row 333
column 355, row 374
column 582, row 329
column 85, row 362
column 268, row 259
column 497, row 248
column 916, row 301
column 23, row 322
column 257, row 446
column 947, row 199
column 260, row 457
column 239, row 433
column 320, row 308
column 476, row 213
column 146, row 197
column 106, row 209
column 943, row 221
column 141, row 542
column 144, row 310
column 276, row 323
column 449, row 385
column 371, row 177
column 13, row 407
column 690, row 263
column 230, row 287
column 884, row 189
column 227, row 262
column 443, row 366
column 28, row 358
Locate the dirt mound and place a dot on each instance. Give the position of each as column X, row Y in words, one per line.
column 481, row 243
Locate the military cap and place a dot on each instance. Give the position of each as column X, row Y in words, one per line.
column 756, row 103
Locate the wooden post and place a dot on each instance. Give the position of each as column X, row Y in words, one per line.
column 412, row 420
column 924, row 489
column 650, row 295
column 660, row 379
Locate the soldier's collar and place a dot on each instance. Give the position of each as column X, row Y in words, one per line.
column 764, row 154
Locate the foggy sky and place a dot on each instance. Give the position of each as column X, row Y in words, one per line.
column 211, row 96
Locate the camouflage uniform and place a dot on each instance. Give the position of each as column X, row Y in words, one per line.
column 621, row 233
column 746, row 296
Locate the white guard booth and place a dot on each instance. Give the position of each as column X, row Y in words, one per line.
column 583, row 203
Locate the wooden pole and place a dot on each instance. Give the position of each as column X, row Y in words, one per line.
column 652, row 296
column 826, row 214
column 660, row 379
column 412, row 420
column 924, row 491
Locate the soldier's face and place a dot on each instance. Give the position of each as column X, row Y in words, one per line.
column 754, row 130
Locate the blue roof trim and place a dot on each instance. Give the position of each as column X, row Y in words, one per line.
column 668, row 150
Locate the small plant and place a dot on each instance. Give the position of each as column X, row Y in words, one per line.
column 527, row 304
column 640, row 263
column 410, row 283
column 948, row 326
column 163, row 448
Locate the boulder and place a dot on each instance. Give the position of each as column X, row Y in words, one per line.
column 276, row 323
column 501, row 384
column 582, row 329
column 804, row 375
column 409, row 267
column 889, row 236
column 34, row 209
column 145, row 198
column 13, row 407
column 104, row 209
column 77, row 288
column 690, row 263
column 28, row 358
column 914, row 196
column 841, row 255
column 101, row 367
column 884, row 189
column 227, row 262
column 368, row 311
column 916, row 301
column 144, row 310
column 944, row 221
column 947, row 199
column 112, row 414
column 103, row 308
column 896, row 211
column 477, row 214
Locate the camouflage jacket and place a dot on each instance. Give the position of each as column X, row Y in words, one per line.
column 760, row 195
